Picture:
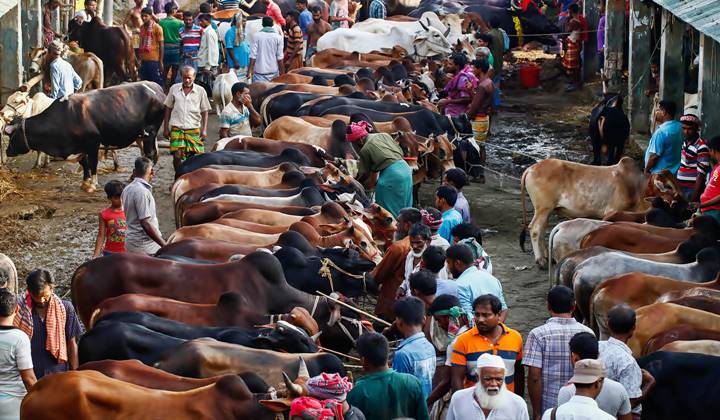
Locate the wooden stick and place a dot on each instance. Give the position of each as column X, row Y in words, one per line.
column 352, row 366
column 337, row 353
column 360, row 311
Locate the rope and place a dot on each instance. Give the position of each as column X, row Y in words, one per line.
column 590, row 31
column 516, row 151
column 324, row 271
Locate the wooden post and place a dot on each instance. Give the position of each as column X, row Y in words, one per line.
column 639, row 66
column 709, row 86
column 590, row 53
column 614, row 40
column 672, row 72
column 107, row 12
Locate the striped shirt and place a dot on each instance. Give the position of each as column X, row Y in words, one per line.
column 694, row 161
column 377, row 10
column 190, row 40
column 548, row 348
column 470, row 345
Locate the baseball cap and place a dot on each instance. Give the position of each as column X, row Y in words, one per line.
column 588, row 371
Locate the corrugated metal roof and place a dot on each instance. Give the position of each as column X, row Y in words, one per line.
column 6, row 5
column 703, row 15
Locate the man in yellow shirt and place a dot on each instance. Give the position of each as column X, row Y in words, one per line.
column 151, row 49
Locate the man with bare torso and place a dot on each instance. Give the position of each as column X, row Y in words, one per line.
column 134, row 21
column 316, row 29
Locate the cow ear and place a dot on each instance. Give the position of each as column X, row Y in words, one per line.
column 277, row 406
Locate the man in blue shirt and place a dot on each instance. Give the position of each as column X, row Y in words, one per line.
column 237, row 47
column 415, row 355
column 471, row 281
column 64, row 81
column 445, row 199
column 665, row 146
column 305, row 17
column 377, row 10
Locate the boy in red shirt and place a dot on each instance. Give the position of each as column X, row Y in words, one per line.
column 112, row 227
column 710, row 198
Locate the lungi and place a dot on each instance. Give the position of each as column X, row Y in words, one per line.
column 257, row 77
column 481, row 130
column 171, row 55
column 187, row 140
column 394, row 189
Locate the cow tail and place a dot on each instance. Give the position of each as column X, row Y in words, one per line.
column 553, row 232
column 592, row 321
column 101, row 67
column 93, row 318
column 523, row 233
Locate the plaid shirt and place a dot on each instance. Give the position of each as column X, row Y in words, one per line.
column 547, row 347
column 377, row 10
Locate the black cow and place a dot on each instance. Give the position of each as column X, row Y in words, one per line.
column 244, row 158
column 313, row 273
column 686, row 386
column 112, row 117
column 240, row 189
column 609, row 126
column 111, row 44
column 288, row 103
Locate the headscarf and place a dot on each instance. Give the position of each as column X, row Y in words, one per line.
column 441, row 338
column 239, row 29
column 329, row 386
column 429, row 221
column 482, row 259
column 357, row 131
column 311, row 408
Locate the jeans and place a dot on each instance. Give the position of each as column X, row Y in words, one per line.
column 150, row 71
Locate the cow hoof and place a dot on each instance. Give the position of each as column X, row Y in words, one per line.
column 542, row 264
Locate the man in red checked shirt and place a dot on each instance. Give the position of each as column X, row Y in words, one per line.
column 273, row 10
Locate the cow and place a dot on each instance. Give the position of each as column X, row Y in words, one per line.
column 681, row 332
column 245, row 158
column 294, row 129
column 424, row 43
column 10, row 276
column 333, row 58
column 708, row 347
column 135, row 372
column 114, row 117
column 211, row 210
column 609, row 127
column 686, row 385
column 87, row 65
column 222, row 90
column 111, row 44
column 91, row 395
column 595, row 270
column 658, row 317
column 142, row 336
column 316, row 154
column 204, row 357
column 565, row 238
column 576, row 190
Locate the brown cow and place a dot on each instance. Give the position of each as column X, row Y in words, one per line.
column 335, row 59
column 680, row 332
column 87, row 65
column 212, row 210
column 250, row 226
column 658, row 317
column 709, row 347
column 330, row 213
column 576, row 190
column 206, row 249
column 92, row 395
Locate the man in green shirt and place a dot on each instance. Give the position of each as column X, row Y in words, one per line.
column 382, row 393
column 171, row 34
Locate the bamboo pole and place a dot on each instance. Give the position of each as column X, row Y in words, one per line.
column 360, row 311
column 337, row 353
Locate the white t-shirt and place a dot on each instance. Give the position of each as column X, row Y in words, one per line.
column 578, row 408
column 613, row 399
column 266, row 50
column 14, row 356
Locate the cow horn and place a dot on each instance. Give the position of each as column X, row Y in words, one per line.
column 303, row 370
column 423, row 25
column 293, row 316
column 294, row 390
column 316, row 336
column 447, row 32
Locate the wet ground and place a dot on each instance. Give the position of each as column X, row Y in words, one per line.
column 46, row 221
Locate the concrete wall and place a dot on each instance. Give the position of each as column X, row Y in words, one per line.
column 638, row 67
column 672, row 64
column 709, row 86
column 11, row 46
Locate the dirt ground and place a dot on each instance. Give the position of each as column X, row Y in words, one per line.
column 47, row 221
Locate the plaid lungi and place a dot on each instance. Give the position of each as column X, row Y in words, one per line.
column 187, row 140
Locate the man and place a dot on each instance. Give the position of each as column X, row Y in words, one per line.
column 383, row 393
column 273, row 11
column 91, row 9
column 497, row 46
column 457, row 178
column 237, row 48
column 423, row 285
column 471, row 281
column 239, row 115
column 613, row 399
column 317, row 28
column 49, row 33
column 338, row 14
column 433, row 260
column 143, row 231
column 489, row 335
column 305, row 19
column 663, row 152
column 619, row 361
column 694, row 159
column 266, row 53
column 133, row 21
column 51, row 324
column 414, row 355
column 151, row 50
column 588, row 381
column 190, row 36
column 710, row 198
column 208, row 53
column 445, row 199
column 171, row 35
column 471, row 235
column 186, row 117
column 547, row 351
column 390, row 273
column 460, row 88
column 419, row 241
column 377, row 10
column 294, row 54
column 600, row 40
column 161, row 6
column 15, row 359
column 432, row 218
column 333, row 387
column 63, row 79
column 480, row 109
column 489, row 398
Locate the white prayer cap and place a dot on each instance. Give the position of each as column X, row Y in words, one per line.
column 491, row 361
column 81, row 13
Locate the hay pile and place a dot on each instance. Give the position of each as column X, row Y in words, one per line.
column 8, row 186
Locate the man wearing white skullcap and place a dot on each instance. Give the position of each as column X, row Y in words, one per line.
column 489, row 396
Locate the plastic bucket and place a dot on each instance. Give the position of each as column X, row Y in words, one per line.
column 530, row 76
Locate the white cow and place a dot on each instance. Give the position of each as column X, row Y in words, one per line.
column 222, row 90
column 427, row 41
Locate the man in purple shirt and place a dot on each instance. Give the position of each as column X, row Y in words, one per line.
column 601, row 35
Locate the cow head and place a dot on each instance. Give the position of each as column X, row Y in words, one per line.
column 430, row 42
column 355, row 238
column 664, row 185
column 346, row 189
column 350, row 277
column 18, row 144
column 286, row 337
column 293, row 389
column 382, row 224
column 37, row 60
column 441, row 158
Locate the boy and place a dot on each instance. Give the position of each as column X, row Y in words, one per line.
column 112, row 227
column 710, row 198
column 445, row 198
